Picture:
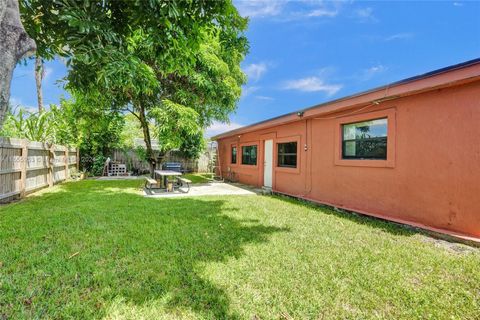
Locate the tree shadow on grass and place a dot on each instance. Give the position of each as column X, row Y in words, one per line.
column 91, row 244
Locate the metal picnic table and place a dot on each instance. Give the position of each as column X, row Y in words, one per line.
column 163, row 175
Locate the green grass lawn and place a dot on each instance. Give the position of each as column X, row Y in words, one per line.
column 98, row 249
column 199, row 177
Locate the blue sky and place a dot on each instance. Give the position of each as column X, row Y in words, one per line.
column 307, row 52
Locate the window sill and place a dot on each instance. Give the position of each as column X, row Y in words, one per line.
column 248, row 166
column 365, row 163
column 288, row 170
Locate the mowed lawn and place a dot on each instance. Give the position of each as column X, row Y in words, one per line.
column 98, row 249
column 198, row 177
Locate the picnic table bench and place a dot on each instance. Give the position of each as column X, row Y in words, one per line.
column 184, row 181
column 149, row 182
column 162, row 181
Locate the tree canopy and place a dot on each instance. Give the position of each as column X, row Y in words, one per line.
column 172, row 63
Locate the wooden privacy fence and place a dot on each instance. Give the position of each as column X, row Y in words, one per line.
column 135, row 163
column 27, row 166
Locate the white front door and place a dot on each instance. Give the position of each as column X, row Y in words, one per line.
column 268, row 164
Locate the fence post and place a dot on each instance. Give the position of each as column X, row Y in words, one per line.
column 78, row 160
column 51, row 159
column 23, row 173
column 67, row 153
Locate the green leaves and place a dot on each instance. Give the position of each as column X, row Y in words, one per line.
column 173, row 122
column 193, row 145
column 32, row 126
column 127, row 75
column 175, row 64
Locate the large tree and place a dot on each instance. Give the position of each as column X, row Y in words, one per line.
column 41, row 20
column 173, row 63
column 14, row 45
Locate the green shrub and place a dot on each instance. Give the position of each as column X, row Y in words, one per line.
column 98, row 164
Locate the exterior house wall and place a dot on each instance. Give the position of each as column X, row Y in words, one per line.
column 431, row 177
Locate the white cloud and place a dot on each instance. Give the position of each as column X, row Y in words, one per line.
column 376, row 69
column 259, row 8
column 47, row 71
column 255, row 71
column 14, row 101
column 219, row 127
column 16, row 104
column 312, row 84
column 366, row 15
column 372, row 71
column 288, row 10
column 266, row 98
column 458, row 4
column 322, row 13
column 248, row 90
column 399, row 36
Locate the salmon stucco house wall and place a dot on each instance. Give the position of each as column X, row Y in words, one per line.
column 407, row 152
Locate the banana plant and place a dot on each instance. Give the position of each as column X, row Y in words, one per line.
column 34, row 126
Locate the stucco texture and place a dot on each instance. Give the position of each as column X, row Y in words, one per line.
column 431, row 177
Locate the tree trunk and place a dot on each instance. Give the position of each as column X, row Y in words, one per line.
column 148, row 141
column 38, row 80
column 14, row 44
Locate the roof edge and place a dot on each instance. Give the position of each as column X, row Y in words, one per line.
column 391, row 85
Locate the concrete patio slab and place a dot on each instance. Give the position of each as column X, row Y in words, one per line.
column 205, row 189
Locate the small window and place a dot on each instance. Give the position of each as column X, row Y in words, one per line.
column 249, row 155
column 287, row 154
column 234, row 154
column 365, row 140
